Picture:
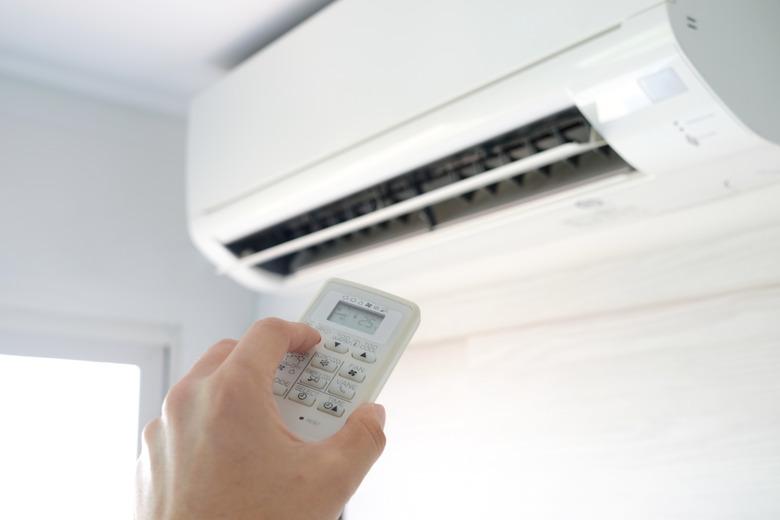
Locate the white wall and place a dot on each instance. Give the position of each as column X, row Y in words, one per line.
column 670, row 412
column 637, row 384
column 92, row 220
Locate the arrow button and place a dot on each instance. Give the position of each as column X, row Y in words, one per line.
column 364, row 356
column 336, row 346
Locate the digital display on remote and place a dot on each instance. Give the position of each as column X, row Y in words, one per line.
column 355, row 318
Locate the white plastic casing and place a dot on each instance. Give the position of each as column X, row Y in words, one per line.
column 382, row 348
column 682, row 90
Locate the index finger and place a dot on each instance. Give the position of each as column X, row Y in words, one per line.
column 267, row 341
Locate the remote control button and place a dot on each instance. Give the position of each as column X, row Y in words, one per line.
column 323, row 362
column 293, row 359
column 292, row 364
column 354, row 372
column 279, row 389
column 314, row 378
column 301, row 396
column 332, row 408
column 336, row 346
column 362, row 355
column 342, row 388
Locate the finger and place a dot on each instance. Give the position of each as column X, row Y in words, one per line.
column 267, row 341
column 212, row 358
column 360, row 442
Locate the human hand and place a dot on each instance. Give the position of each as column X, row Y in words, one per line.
column 221, row 450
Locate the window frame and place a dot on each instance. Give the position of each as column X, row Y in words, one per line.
column 55, row 335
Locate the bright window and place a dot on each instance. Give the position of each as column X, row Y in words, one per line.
column 74, row 395
column 69, row 437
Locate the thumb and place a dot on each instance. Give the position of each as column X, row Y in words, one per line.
column 360, row 441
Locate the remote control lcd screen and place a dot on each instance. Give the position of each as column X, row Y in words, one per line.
column 356, row 318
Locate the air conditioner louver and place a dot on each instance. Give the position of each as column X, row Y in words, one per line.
column 547, row 155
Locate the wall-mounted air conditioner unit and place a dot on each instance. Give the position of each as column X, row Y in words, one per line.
column 400, row 134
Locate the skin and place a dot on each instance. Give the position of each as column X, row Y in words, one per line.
column 220, row 448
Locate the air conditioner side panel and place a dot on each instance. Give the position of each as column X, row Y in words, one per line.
column 743, row 35
column 358, row 69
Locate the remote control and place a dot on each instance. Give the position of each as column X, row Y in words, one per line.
column 363, row 334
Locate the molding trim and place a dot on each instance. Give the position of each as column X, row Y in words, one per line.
column 92, row 85
column 50, row 323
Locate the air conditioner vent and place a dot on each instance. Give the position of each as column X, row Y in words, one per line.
column 549, row 154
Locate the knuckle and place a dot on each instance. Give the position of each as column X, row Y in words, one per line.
column 225, row 343
column 270, row 324
column 151, row 431
column 178, row 398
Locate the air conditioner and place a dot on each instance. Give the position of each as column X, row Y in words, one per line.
column 394, row 135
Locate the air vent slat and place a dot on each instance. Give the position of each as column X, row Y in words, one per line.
column 499, row 171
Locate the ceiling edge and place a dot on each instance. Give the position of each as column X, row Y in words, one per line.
column 93, row 86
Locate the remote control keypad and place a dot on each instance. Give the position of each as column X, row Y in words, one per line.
column 324, row 377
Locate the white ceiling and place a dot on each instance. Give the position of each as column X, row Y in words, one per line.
column 154, row 54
